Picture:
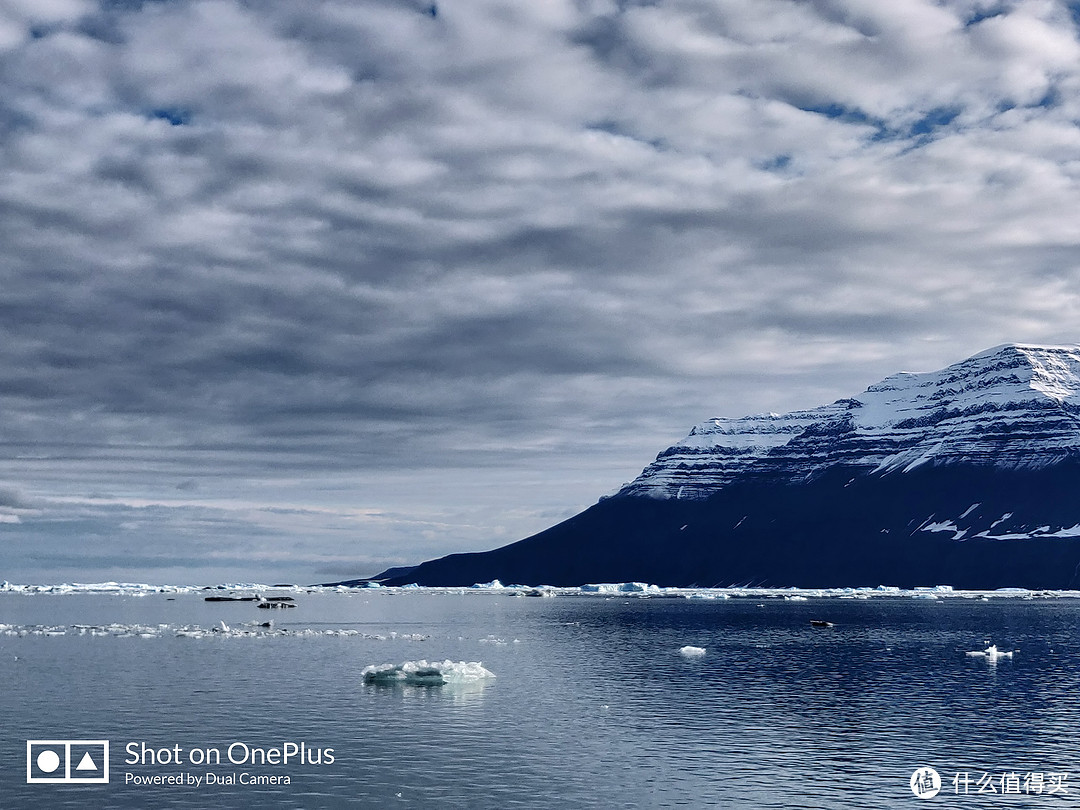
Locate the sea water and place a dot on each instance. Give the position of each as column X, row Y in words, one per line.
column 593, row 701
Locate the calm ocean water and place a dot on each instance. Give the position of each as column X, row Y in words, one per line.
column 592, row 706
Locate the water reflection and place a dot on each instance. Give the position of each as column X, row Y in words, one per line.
column 454, row 694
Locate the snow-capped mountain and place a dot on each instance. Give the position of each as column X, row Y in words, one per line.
column 966, row 476
column 1013, row 406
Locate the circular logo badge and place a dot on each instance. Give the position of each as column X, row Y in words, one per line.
column 925, row 783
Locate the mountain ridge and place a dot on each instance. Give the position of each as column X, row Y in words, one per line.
column 964, row 476
column 948, row 416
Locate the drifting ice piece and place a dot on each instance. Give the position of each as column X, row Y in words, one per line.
column 991, row 653
column 425, row 673
column 692, row 652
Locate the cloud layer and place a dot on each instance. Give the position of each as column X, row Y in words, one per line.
column 383, row 258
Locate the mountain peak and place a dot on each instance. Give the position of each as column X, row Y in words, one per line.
column 1012, row 406
column 1052, row 370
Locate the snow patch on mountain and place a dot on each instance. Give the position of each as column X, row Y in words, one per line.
column 1014, row 406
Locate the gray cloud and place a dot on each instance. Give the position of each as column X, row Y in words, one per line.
column 280, row 250
column 12, row 499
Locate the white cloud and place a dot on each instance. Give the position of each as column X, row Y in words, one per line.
column 259, row 241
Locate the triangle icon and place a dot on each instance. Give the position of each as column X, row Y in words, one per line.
column 86, row 763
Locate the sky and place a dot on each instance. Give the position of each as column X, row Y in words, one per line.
column 293, row 292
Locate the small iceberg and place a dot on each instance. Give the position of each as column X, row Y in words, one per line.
column 638, row 587
column 604, row 587
column 692, row 652
column 426, row 673
column 620, row 587
column 991, row 653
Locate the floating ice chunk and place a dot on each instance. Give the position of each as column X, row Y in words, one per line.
column 494, row 585
column 991, row 653
column 217, row 631
column 134, row 588
column 638, row 587
column 692, row 652
column 620, row 587
column 426, row 673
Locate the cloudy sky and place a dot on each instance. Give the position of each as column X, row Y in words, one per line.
column 297, row 291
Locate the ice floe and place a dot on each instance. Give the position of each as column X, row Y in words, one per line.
column 220, row 630
column 254, row 592
column 689, row 651
column 145, row 589
column 621, row 587
column 426, row 673
column 498, row 642
column 991, row 653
